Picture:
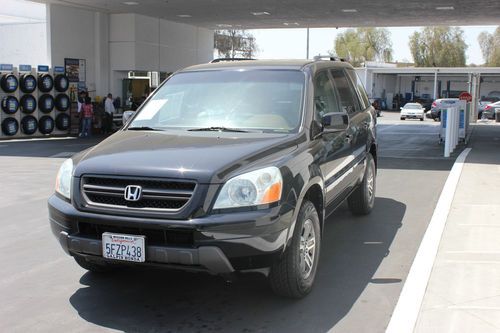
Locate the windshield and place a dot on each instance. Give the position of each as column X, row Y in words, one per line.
column 412, row 106
column 264, row 100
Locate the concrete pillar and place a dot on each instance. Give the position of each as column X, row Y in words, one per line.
column 101, row 51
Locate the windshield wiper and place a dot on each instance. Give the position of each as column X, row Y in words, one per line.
column 217, row 129
column 143, row 128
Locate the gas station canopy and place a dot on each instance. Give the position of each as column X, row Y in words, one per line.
column 253, row 14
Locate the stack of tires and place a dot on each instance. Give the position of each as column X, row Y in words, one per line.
column 46, row 103
column 62, row 103
column 28, row 103
column 9, row 84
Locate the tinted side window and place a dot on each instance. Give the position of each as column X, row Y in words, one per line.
column 325, row 100
column 347, row 96
column 360, row 87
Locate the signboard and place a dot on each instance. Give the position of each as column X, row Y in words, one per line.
column 75, row 69
column 25, row 68
column 465, row 96
column 6, row 67
column 43, row 68
column 59, row 69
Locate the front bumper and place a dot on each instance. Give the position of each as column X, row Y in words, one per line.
column 220, row 244
column 413, row 116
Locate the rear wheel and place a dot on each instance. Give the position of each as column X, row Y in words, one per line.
column 402, row 118
column 92, row 266
column 362, row 200
column 293, row 275
column 421, row 119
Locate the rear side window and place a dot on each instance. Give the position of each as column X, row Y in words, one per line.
column 359, row 87
column 347, row 96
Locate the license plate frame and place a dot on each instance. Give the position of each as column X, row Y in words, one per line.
column 124, row 247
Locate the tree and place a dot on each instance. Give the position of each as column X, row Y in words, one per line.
column 364, row 44
column 438, row 47
column 235, row 43
column 490, row 47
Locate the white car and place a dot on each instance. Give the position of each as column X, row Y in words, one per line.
column 413, row 111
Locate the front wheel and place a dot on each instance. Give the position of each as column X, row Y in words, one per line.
column 293, row 275
column 362, row 200
column 421, row 119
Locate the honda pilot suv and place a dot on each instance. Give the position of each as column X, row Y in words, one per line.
column 228, row 167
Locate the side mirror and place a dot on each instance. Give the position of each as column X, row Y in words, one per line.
column 335, row 122
column 126, row 116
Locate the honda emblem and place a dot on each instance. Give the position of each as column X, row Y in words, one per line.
column 133, row 193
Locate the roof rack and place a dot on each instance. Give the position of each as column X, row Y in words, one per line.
column 328, row 57
column 229, row 59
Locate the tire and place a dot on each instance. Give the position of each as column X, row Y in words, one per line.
column 45, row 83
column 403, row 118
column 63, row 122
column 290, row 276
column 29, row 125
column 91, row 266
column 421, row 119
column 28, row 104
column 10, row 126
column 362, row 200
column 9, row 83
column 61, row 83
column 27, row 83
column 62, row 102
column 46, row 103
column 46, row 125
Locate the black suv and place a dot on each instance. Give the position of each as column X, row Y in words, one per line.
column 229, row 166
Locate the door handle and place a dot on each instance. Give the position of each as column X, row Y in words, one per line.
column 348, row 138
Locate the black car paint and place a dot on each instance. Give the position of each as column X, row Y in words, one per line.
column 309, row 161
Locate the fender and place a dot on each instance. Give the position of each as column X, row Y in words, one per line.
column 314, row 180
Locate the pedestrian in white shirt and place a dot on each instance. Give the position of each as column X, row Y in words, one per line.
column 81, row 101
column 109, row 110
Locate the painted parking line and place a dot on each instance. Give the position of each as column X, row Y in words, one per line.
column 407, row 309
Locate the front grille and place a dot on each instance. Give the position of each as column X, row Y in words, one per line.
column 157, row 194
column 181, row 238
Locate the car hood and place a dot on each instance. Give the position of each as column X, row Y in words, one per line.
column 207, row 157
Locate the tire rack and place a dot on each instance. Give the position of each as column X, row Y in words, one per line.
column 20, row 113
column 37, row 114
column 4, row 115
column 57, row 112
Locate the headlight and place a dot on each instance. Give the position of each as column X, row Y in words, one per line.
column 254, row 188
column 63, row 180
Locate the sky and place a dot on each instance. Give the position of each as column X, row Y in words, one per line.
column 292, row 42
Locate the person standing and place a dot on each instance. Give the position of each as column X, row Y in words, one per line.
column 109, row 110
column 88, row 113
column 81, row 102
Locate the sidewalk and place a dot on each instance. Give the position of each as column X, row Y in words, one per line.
column 463, row 292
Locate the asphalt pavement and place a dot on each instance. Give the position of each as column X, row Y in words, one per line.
column 363, row 265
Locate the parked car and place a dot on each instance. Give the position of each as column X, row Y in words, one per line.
column 413, row 111
column 489, row 110
column 483, row 103
column 439, row 104
column 229, row 166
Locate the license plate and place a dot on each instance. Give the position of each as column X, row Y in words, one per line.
column 123, row 247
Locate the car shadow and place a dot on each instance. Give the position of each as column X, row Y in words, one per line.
column 172, row 301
